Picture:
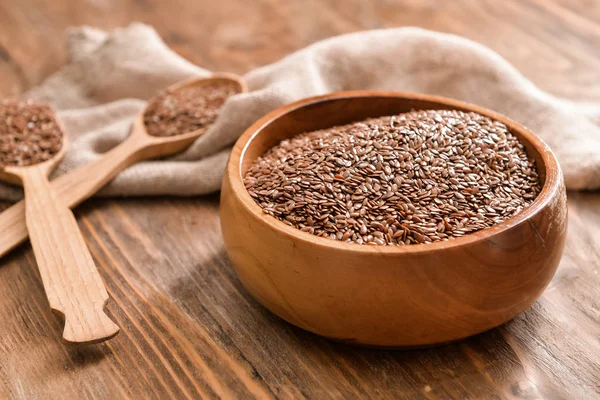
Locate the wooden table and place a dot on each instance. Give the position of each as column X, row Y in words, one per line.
column 188, row 327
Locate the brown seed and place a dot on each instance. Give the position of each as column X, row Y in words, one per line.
column 29, row 133
column 435, row 175
column 174, row 112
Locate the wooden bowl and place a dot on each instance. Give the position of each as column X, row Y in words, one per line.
column 389, row 296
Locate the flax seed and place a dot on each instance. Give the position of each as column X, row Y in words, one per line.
column 174, row 112
column 29, row 133
column 418, row 177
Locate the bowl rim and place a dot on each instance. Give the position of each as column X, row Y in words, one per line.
column 233, row 172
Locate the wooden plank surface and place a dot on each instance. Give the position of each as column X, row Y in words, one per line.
column 188, row 327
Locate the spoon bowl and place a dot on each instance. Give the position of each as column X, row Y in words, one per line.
column 160, row 146
column 389, row 296
column 12, row 174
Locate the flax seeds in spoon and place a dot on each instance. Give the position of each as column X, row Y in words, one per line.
column 418, row 177
column 178, row 111
column 29, row 133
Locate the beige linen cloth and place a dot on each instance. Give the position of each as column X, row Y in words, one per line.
column 110, row 76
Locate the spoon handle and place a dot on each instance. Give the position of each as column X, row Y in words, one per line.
column 72, row 283
column 74, row 187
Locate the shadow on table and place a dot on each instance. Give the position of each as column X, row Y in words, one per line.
column 489, row 361
column 86, row 355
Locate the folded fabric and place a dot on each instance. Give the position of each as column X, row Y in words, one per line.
column 110, row 76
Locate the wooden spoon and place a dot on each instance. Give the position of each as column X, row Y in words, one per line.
column 78, row 185
column 72, row 283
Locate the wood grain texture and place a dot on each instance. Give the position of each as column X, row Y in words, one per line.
column 189, row 329
column 72, row 284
